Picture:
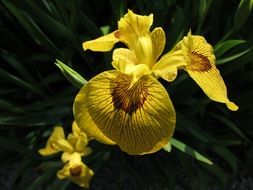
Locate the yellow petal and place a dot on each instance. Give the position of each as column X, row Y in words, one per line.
column 104, row 43
column 78, row 139
column 76, row 171
column 124, row 60
column 52, row 142
column 132, row 26
column 139, row 118
column 213, row 86
column 158, row 42
column 84, row 119
column 168, row 65
column 75, row 129
column 200, row 64
column 81, row 143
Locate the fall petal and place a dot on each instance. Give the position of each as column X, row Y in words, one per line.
column 139, row 118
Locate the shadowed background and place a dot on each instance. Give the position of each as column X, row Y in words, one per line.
column 35, row 96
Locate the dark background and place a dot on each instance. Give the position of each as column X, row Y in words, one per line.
column 35, row 96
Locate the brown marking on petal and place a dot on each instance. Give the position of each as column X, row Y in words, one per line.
column 75, row 172
column 52, row 145
column 127, row 98
column 198, row 62
column 117, row 34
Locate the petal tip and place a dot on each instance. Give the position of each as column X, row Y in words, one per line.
column 232, row 106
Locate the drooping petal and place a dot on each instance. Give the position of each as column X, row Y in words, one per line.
column 201, row 67
column 168, row 65
column 84, row 119
column 56, row 143
column 158, row 42
column 124, row 60
column 76, row 171
column 139, row 118
column 104, row 43
column 133, row 26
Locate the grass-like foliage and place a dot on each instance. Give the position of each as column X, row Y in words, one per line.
column 211, row 146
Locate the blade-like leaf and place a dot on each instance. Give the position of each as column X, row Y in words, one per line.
column 72, row 76
column 188, row 150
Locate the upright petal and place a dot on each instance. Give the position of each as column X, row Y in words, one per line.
column 139, row 118
column 200, row 64
column 158, row 42
column 104, row 43
column 132, row 26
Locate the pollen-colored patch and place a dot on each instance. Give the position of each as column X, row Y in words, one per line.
column 117, row 34
column 76, row 171
column 126, row 97
column 198, row 62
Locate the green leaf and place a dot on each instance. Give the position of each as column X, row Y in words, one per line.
column 17, row 81
column 219, row 143
column 188, row 150
column 233, row 57
column 217, row 171
column 32, row 28
column 242, row 13
column 37, row 183
column 14, row 146
column 5, row 105
column 225, row 46
column 72, row 76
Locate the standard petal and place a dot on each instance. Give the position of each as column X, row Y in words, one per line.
column 104, row 43
column 168, row 65
column 139, row 118
column 75, row 129
column 158, row 42
column 200, row 64
column 132, row 26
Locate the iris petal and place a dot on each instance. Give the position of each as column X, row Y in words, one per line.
column 168, row 65
column 132, row 26
column 104, row 43
column 139, row 118
column 124, row 60
column 200, row 64
column 158, row 42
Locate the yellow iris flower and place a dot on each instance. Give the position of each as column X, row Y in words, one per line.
column 128, row 106
column 76, row 171
column 73, row 148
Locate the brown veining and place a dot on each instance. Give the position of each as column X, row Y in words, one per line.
column 129, row 98
column 198, row 62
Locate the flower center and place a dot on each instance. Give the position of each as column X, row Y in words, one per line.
column 126, row 97
column 198, row 62
column 76, row 171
